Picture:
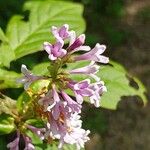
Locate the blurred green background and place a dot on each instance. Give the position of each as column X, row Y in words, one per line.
column 123, row 25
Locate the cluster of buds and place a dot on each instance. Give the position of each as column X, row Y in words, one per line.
column 60, row 111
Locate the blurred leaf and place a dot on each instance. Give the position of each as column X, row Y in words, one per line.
column 7, row 105
column 22, row 101
column 6, row 124
column 117, row 83
column 37, row 87
column 39, row 145
column 6, row 54
column 8, row 79
column 35, row 122
column 41, row 69
column 70, row 147
column 26, row 37
column 2, row 36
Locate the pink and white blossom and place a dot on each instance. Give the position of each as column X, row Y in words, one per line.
column 56, row 50
column 69, row 131
column 98, row 89
column 81, row 89
column 94, row 55
column 73, row 106
column 51, row 102
column 28, row 143
column 76, row 43
column 90, row 70
column 38, row 131
column 61, row 33
column 75, row 134
column 28, row 77
column 47, row 101
column 59, row 109
column 14, row 145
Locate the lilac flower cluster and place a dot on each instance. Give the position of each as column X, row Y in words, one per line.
column 63, row 111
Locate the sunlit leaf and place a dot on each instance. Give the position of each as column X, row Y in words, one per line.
column 2, row 36
column 7, row 105
column 6, row 124
column 117, row 83
column 26, row 37
column 6, row 55
column 22, row 101
column 41, row 69
column 36, row 88
column 8, row 79
column 36, row 122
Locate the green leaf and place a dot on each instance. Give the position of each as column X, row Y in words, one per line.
column 117, row 83
column 35, row 88
column 7, row 105
column 22, row 101
column 6, row 55
column 36, row 123
column 41, row 69
column 8, row 79
column 2, row 36
column 6, row 124
column 26, row 37
column 37, row 142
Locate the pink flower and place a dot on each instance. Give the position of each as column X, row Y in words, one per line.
column 94, row 55
column 73, row 106
column 68, row 131
column 28, row 77
column 55, row 51
column 56, row 128
column 75, row 134
column 47, row 101
column 62, row 32
column 59, row 109
column 14, row 145
column 28, row 143
column 51, row 102
column 98, row 89
column 38, row 131
column 76, row 44
column 90, row 70
column 81, row 89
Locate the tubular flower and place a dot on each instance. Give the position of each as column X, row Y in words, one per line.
column 14, row 145
column 61, row 33
column 38, row 131
column 28, row 77
column 28, row 143
column 55, row 51
column 76, row 44
column 94, row 55
column 90, row 69
column 60, row 106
